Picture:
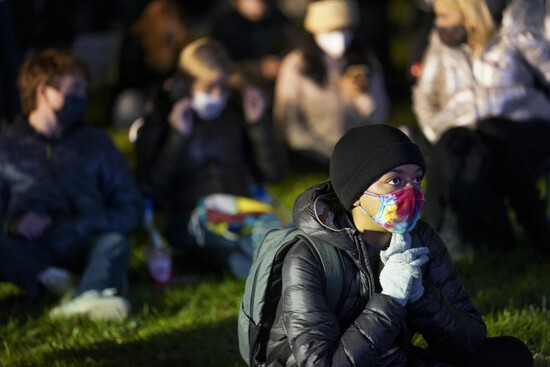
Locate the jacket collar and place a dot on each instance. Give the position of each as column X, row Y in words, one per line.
column 318, row 213
column 21, row 126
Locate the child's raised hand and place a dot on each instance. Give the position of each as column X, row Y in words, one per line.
column 253, row 104
column 181, row 117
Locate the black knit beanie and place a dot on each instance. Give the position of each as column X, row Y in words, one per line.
column 364, row 154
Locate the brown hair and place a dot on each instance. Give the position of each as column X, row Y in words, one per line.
column 162, row 34
column 46, row 68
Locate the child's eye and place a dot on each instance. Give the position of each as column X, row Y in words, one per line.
column 418, row 179
column 394, row 181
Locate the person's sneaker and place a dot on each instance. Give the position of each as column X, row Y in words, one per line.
column 95, row 305
column 58, row 281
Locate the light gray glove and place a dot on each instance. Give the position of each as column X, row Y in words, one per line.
column 401, row 276
column 398, row 243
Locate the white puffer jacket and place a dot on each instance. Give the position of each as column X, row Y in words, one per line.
column 507, row 80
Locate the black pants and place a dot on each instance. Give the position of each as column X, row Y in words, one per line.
column 502, row 351
column 473, row 174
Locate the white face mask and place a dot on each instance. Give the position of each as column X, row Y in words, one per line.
column 207, row 106
column 334, row 43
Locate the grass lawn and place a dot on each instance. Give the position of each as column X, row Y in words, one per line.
column 193, row 321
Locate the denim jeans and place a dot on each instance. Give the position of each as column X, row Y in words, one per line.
column 101, row 261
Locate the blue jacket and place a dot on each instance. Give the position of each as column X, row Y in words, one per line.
column 80, row 179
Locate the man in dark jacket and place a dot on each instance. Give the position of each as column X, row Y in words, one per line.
column 398, row 276
column 67, row 198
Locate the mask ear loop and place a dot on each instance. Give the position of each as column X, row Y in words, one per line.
column 380, row 210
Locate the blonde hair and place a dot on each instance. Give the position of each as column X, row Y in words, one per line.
column 328, row 15
column 205, row 59
column 478, row 22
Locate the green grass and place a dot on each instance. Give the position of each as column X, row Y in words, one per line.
column 193, row 321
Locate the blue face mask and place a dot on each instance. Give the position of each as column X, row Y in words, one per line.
column 72, row 111
column 207, row 106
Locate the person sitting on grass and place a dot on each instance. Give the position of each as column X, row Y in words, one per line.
column 67, row 197
column 398, row 277
column 482, row 106
column 327, row 85
column 215, row 140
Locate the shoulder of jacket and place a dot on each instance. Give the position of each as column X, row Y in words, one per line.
column 302, row 248
column 424, row 232
column 305, row 250
column 294, row 58
column 429, row 237
column 93, row 134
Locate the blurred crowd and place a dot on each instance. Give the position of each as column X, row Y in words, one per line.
column 223, row 97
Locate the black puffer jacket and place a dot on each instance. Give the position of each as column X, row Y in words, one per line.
column 368, row 328
column 80, row 179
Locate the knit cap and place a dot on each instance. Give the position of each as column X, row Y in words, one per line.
column 366, row 153
column 329, row 15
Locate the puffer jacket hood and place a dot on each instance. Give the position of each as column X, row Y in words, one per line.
column 318, row 213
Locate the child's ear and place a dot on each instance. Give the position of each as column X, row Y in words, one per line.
column 40, row 90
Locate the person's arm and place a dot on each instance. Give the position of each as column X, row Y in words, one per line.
column 312, row 328
column 159, row 146
column 445, row 315
column 433, row 116
column 268, row 154
column 531, row 42
column 288, row 117
column 120, row 209
column 374, row 101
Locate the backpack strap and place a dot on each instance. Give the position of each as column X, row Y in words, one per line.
column 331, row 258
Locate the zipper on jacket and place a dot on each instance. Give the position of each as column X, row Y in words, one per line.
column 370, row 273
column 48, row 151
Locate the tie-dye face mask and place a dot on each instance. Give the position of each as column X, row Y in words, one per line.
column 399, row 210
